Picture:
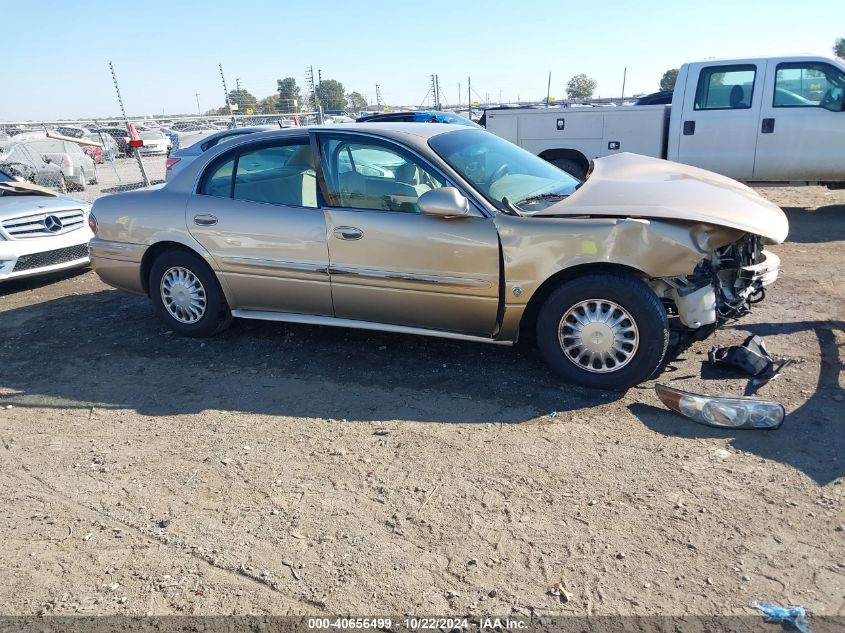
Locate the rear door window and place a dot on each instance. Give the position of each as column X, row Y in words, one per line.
column 725, row 87
column 217, row 180
column 278, row 173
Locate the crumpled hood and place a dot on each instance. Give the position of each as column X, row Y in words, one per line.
column 630, row 185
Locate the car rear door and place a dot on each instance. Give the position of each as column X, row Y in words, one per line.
column 720, row 114
column 388, row 262
column 256, row 213
column 802, row 123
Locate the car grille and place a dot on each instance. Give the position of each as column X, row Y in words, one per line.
column 44, row 224
column 51, row 258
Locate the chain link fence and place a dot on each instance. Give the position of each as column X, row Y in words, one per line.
column 89, row 158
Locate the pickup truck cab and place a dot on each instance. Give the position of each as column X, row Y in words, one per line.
column 778, row 119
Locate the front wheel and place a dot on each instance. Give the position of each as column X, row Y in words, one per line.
column 607, row 331
column 186, row 294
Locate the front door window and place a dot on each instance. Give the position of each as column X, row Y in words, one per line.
column 364, row 174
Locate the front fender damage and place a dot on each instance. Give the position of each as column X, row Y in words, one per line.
column 536, row 249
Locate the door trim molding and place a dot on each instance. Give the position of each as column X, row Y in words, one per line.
column 464, row 282
column 276, row 264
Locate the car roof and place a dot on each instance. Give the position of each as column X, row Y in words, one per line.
column 386, row 128
column 421, row 131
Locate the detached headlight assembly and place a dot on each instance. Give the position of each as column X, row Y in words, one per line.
column 723, row 412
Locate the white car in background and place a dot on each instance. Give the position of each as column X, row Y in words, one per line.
column 155, row 143
column 77, row 167
column 40, row 231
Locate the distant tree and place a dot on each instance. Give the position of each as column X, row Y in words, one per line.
column 580, row 87
column 667, row 82
column 839, row 47
column 290, row 100
column 356, row 101
column 243, row 98
column 331, row 95
column 268, row 105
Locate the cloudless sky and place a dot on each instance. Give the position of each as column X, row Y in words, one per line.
column 56, row 53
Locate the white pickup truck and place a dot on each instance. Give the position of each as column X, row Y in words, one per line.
column 777, row 119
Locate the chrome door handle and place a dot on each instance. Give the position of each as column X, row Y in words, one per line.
column 205, row 219
column 348, row 233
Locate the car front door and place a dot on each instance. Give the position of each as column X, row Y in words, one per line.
column 719, row 118
column 391, row 264
column 802, row 123
column 256, row 213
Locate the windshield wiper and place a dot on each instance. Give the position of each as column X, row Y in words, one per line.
column 544, row 196
column 509, row 207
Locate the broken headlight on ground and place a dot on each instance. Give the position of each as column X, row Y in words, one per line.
column 723, row 412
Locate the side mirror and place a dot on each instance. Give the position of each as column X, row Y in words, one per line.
column 446, row 202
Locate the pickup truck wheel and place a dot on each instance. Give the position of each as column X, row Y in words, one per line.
column 571, row 167
column 606, row 331
column 187, row 296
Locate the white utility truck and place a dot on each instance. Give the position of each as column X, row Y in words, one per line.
column 777, row 119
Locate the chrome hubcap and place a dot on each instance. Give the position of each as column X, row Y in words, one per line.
column 598, row 336
column 183, row 295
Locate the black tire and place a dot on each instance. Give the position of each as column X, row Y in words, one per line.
column 571, row 167
column 632, row 296
column 216, row 316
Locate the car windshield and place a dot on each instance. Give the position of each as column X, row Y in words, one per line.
column 499, row 169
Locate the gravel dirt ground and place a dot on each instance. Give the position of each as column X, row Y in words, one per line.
column 306, row 470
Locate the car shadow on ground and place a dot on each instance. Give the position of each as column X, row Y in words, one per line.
column 825, row 224
column 107, row 349
column 811, row 438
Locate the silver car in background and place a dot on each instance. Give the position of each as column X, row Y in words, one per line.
column 181, row 158
column 77, row 167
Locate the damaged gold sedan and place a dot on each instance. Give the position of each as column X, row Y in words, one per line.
column 442, row 230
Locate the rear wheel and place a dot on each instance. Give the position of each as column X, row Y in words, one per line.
column 607, row 331
column 186, row 294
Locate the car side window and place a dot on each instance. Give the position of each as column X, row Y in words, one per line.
column 809, row 85
column 277, row 174
column 362, row 173
column 725, row 87
column 217, row 180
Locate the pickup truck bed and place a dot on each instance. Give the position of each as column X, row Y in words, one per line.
column 566, row 133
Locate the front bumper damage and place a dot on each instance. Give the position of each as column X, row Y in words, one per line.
column 723, row 287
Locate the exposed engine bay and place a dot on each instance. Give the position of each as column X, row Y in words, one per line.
column 722, row 287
